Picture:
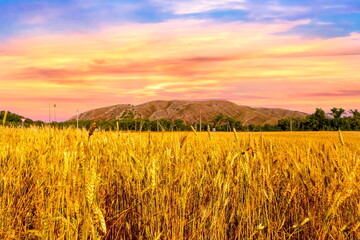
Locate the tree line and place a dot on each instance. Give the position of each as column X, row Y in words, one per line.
column 318, row 121
column 321, row 121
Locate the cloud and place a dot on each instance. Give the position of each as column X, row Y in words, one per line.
column 32, row 17
column 200, row 6
column 275, row 11
column 248, row 63
column 334, row 6
column 254, row 10
column 338, row 93
column 323, row 23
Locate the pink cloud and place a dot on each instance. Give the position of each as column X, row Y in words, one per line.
column 248, row 63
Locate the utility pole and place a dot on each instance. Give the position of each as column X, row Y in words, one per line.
column 291, row 125
column 54, row 113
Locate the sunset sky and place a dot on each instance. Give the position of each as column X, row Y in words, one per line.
column 84, row 54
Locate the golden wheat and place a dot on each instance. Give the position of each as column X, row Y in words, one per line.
column 55, row 184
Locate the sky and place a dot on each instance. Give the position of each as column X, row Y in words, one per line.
column 85, row 54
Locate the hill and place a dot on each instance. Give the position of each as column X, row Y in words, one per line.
column 190, row 112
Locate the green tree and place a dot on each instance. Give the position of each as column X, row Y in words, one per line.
column 284, row 124
column 337, row 112
column 179, row 125
column 316, row 121
column 218, row 119
column 355, row 113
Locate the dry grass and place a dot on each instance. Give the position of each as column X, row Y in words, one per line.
column 57, row 184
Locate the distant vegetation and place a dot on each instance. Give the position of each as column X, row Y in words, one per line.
column 318, row 121
column 14, row 120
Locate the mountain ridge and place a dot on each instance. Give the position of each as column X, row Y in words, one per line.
column 190, row 111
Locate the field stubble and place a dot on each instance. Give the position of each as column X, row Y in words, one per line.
column 58, row 184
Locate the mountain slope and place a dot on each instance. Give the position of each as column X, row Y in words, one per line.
column 190, row 112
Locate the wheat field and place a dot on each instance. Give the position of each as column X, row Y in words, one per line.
column 61, row 184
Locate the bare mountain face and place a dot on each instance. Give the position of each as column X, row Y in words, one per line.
column 190, row 112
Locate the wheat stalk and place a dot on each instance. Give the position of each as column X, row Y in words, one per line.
column 193, row 129
column 341, row 138
column 208, row 130
column 93, row 126
column 355, row 227
column 236, row 136
column 4, row 119
column 99, row 219
column 66, row 164
column 90, row 180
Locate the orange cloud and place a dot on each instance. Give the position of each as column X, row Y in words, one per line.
column 248, row 63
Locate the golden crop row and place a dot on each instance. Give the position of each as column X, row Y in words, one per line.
column 58, row 184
